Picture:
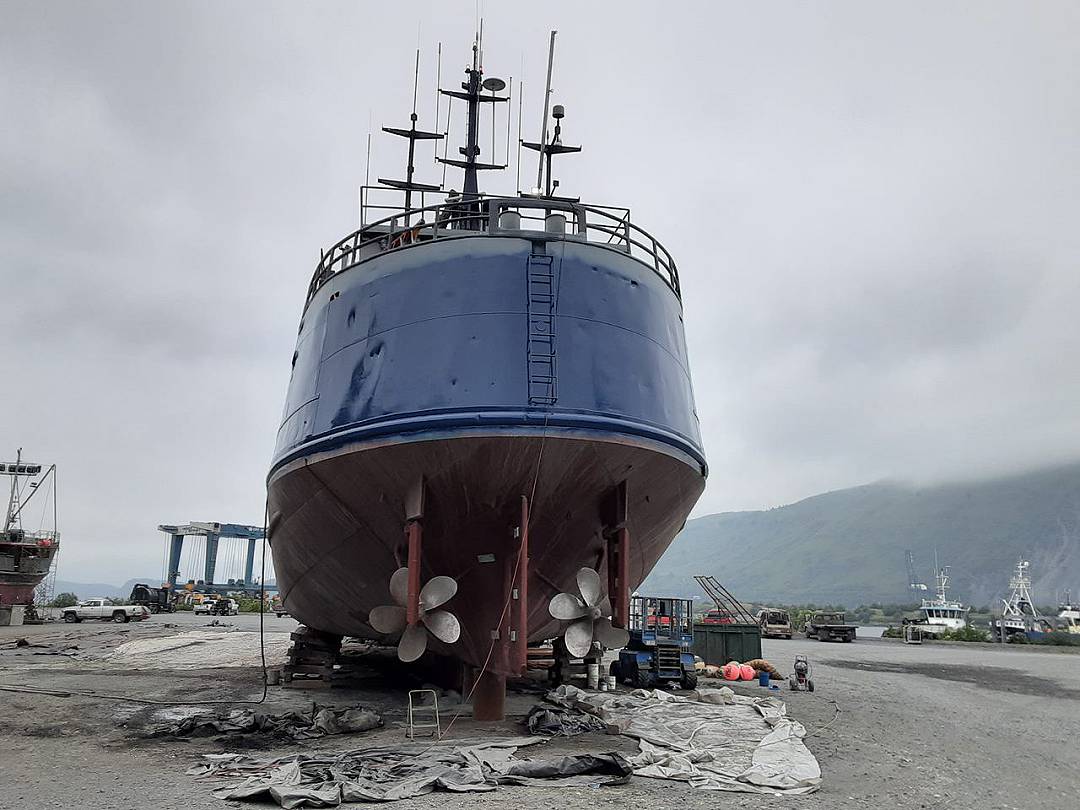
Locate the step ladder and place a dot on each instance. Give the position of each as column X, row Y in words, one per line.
column 432, row 727
column 541, row 348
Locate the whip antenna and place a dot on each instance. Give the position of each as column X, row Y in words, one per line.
column 544, row 124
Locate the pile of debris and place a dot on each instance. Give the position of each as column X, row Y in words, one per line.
column 292, row 725
column 555, row 721
column 58, row 648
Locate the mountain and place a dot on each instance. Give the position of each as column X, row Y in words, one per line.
column 847, row 547
column 89, row 590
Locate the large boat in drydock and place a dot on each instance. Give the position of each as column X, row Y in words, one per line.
column 26, row 556
column 490, row 406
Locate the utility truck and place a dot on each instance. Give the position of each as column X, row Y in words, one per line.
column 101, row 609
column 829, row 626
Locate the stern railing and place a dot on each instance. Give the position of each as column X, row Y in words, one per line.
column 528, row 217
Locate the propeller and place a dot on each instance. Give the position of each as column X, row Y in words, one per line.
column 391, row 619
column 589, row 616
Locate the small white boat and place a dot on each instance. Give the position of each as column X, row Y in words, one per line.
column 1069, row 612
column 941, row 613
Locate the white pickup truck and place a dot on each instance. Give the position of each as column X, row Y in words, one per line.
column 101, row 609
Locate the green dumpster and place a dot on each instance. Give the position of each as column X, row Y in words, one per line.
column 719, row 643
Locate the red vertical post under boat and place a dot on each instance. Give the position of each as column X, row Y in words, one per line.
column 521, row 648
column 618, row 558
column 413, row 532
column 621, row 608
column 503, row 659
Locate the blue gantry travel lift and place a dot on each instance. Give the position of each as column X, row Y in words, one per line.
column 214, row 533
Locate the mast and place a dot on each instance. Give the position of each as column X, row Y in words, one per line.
column 413, row 135
column 13, row 498
column 942, row 582
column 544, row 120
column 472, row 135
column 16, row 503
column 1020, row 582
column 546, row 186
column 471, row 94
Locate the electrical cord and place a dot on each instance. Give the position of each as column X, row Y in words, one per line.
column 34, row 690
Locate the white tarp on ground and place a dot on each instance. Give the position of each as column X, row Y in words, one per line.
column 712, row 738
column 391, row 773
column 200, row 648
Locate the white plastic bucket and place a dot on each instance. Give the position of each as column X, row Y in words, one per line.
column 611, row 683
column 593, row 675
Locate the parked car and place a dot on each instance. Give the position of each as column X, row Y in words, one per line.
column 101, row 609
column 205, row 607
column 774, row 623
column 717, row 616
column 225, row 607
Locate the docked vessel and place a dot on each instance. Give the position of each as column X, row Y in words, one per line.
column 1069, row 613
column 490, row 406
column 941, row 613
column 1018, row 612
column 26, row 556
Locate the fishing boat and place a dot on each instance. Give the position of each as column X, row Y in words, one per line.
column 1019, row 613
column 489, row 436
column 940, row 614
column 26, row 556
column 1069, row 613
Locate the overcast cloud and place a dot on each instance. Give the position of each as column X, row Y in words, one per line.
column 874, row 210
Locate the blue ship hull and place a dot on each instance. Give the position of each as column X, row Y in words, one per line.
column 492, row 367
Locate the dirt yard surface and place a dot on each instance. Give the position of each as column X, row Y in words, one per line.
column 953, row 726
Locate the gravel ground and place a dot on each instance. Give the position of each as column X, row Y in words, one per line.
column 933, row 726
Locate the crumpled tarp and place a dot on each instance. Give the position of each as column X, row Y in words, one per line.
column 294, row 725
column 390, row 773
column 58, row 648
column 557, row 721
column 712, row 738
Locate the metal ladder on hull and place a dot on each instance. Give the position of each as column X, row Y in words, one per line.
column 541, row 347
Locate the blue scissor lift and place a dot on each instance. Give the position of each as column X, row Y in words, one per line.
column 661, row 638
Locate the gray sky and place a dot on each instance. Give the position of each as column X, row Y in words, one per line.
column 874, row 210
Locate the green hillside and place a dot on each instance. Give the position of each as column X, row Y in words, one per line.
column 848, row 546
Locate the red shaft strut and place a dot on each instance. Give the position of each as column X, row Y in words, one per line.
column 622, row 576
column 414, row 534
column 521, row 644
